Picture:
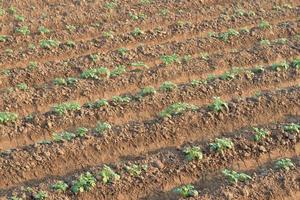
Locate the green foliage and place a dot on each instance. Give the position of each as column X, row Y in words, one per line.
column 265, row 42
column 3, row 38
column 67, row 81
column 32, row 66
column 108, row 175
column 94, row 57
column 81, row 131
column 257, row 70
column 296, row 63
column 168, row 86
column 230, row 33
column 64, row 136
column 12, row 10
column 20, row 18
column 84, row 183
column 121, row 99
column 61, row 109
column 175, row 109
column 139, row 64
column 146, row 91
column 169, row 59
column 187, row 191
column 40, row 195
column 15, row 198
column 43, row 30
column 260, row 134
column 235, row 177
column 108, row 34
column 294, row 128
column 221, row 144
column 284, row 164
column 118, row 71
column 193, row 153
column 264, row 25
column 71, row 28
column 136, row 170
column 6, row 117
column 60, row 186
column 230, row 74
column 70, row 43
column 102, row 127
column 281, row 41
column 24, row 30
column 164, row 12
column 2, row 12
column 48, row 44
column 280, row 66
column 137, row 32
column 218, row 105
column 111, row 5
column 96, row 73
column 22, row 86
column 122, row 51
column 139, row 16
column 101, row 103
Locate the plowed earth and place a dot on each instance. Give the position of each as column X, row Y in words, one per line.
column 234, row 63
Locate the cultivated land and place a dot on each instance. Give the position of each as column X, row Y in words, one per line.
column 149, row 99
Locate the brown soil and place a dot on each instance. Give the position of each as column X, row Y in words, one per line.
column 224, row 48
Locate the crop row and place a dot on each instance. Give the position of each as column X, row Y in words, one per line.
column 134, row 138
column 110, row 41
column 120, row 109
column 190, row 159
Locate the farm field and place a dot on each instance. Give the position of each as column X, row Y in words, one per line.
column 150, row 100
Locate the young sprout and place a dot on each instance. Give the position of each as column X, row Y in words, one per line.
column 108, row 175
column 40, row 195
column 136, row 170
column 258, row 70
column 168, row 86
column 64, row 136
column 101, row 103
column 118, row 71
column 139, row 64
column 20, row 18
column 221, row 144
column 60, row 186
column 2, row 12
column 61, row 109
column 265, row 42
column 110, row 5
column 136, row 32
column 294, row 128
column 22, row 86
column 193, row 153
column 121, row 99
column 230, row 74
column 230, row 33
column 24, row 30
column 48, row 44
column 108, row 34
column 280, row 66
column 281, row 41
column 260, row 134
column 71, row 28
column 6, row 117
column 218, row 105
column 122, row 51
column 70, row 43
column 81, row 132
column 235, row 177
column 12, row 10
column 94, row 57
column 169, row 59
column 175, row 109
column 3, row 38
column 96, row 73
column 164, row 12
column 264, row 25
column 84, row 183
column 15, row 198
column 187, row 191
column 146, row 91
column 32, row 65
column 296, row 63
column 43, row 30
column 102, row 127
column 284, row 164
column 134, row 16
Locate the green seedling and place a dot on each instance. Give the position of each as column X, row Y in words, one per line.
column 230, row 74
column 31, row 47
column 293, row 128
column 12, row 10
column 108, row 175
column 193, row 153
column 139, row 64
column 145, row 2
column 218, row 105
column 227, row 35
column 70, row 43
column 108, row 34
column 118, row 71
column 235, row 177
column 176, row 109
column 40, row 195
column 101, row 103
column 147, row 91
column 94, row 57
column 164, row 12
column 43, row 30
column 260, row 134
column 3, row 38
column 122, row 51
column 296, row 63
column 64, row 136
column 281, row 41
column 167, row 86
column 187, row 191
column 84, row 183
column 48, row 44
column 61, row 109
column 170, row 59
column 280, row 66
column 121, row 99
column 96, row 73
column 221, row 144
column 284, row 164
column 2, row 12
column 81, row 132
column 265, row 42
column 110, row 5
column 71, row 28
column 24, row 30
column 136, row 170
column 6, row 117
column 264, row 25
column 258, row 70
column 22, row 86
column 20, row 18
column 187, row 58
column 102, row 127
column 32, row 65
column 60, row 186
column 15, row 198
column 139, row 16
column 137, row 32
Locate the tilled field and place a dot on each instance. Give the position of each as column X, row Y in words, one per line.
column 150, row 99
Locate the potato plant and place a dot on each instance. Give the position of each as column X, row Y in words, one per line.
column 108, row 175
column 175, row 109
column 121, row 99
column 96, row 73
column 235, row 177
column 293, row 128
column 40, row 195
column 260, row 134
column 187, row 191
column 48, row 44
column 147, row 91
column 221, row 144
column 136, row 170
column 6, row 117
column 102, row 127
column 218, row 105
column 63, row 108
column 170, row 59
column 84, row 183
column 193, row 153
column 64, row 136
column 119, row 70
column 168, row 86
column 60, row 186
column 284, row 164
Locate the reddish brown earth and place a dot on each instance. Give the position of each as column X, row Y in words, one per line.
column 241, row 69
